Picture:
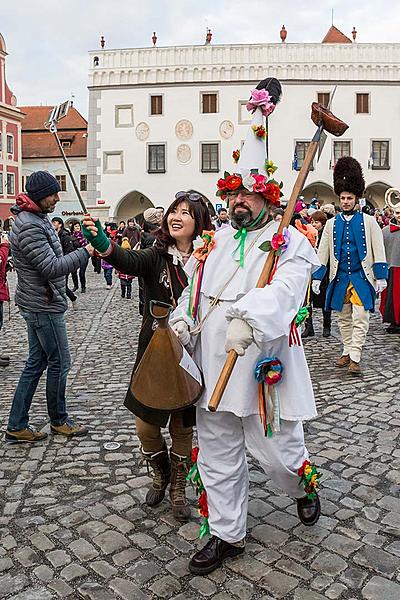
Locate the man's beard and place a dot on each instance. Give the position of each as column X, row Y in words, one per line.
column 241, row 219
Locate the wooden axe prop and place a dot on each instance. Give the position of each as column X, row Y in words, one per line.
column 325, row 121
column 57, row 113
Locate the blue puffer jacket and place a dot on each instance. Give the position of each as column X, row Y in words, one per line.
column 39, row 261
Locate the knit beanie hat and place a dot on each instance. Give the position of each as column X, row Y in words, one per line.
column 41, row 184
column 299, row 206
column 152, row 215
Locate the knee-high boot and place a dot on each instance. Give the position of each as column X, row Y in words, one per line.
column 160, row 465
column 180, row 466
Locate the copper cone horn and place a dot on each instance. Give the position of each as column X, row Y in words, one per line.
column 166, row 378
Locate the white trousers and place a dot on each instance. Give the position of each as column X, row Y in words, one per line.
column 223, row 438
column 353, row 324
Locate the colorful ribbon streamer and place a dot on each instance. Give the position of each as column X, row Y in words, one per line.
column 268, row 373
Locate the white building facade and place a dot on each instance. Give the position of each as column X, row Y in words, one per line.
column 167, row 119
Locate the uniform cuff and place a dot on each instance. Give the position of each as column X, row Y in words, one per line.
column 319, row 274
column 381, row 270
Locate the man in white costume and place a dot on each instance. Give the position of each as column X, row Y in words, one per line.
column 255, row 322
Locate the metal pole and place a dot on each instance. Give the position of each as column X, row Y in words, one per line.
column 53, row 130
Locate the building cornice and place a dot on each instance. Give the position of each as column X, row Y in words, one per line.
column 244, row 63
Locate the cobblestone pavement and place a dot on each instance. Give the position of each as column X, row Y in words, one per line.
column 72, row 519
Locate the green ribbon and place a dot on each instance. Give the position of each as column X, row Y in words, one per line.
column 302, row 315
column 241, row 235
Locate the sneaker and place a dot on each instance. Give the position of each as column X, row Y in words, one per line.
column 25, row 435
column 354, row 368
column 69, row 429
column 343, row 361
column 109, row 287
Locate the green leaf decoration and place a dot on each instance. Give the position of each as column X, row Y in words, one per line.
column 265, row 246
column 226, row 174
column 254, row 171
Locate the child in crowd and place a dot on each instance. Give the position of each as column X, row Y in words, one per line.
column 125, row 280
column 107, row 269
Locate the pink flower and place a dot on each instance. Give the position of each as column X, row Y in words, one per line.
column 262, row 99
column 260, row 184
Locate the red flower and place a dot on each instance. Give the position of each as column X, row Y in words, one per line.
column 195, row 454
column 277, row 241
column 233, row 182
column 300, row 472
column 203, row 505
column 221, row 184
column 272, row 193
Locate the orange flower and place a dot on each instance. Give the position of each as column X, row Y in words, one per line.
column 272, row 193
column 202, row 252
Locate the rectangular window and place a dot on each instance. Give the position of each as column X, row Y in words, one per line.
column 1, row 183
column 156, row 158
column 362, row 104
column 209, row 158
column 156, row 105
column 124, row 115
column 208, row 103
column 83, row 183
column 380, row 154
column 10, row 144
column 340, row 149
column 10, row 184
column 62, row 180
column 323, row 98
column 300, row 154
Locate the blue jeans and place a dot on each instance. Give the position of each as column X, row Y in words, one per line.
column 48, row 349
column 108, row 275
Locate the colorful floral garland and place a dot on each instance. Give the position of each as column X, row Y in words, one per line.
column 251, row 181
column 194, row 477
column 202, row 247
column 309, row 477
column 259, row 131
column 261, row 99
column 268, row 373
column 236, row 156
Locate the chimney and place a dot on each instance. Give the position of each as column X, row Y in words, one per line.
column 283, row 34
column 208, row 37
column 354, row 34
column 154, row 38
column 102, row 42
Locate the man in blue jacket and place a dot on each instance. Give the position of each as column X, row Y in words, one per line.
column 352, row 243
column 42, row 302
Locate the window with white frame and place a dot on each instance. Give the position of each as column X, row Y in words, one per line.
column 340, row 148
column 156, row 104
column 62, row 180
column 10, row 144
column 156, row 158
column 209, row 102
column 380, row 154
column 209, row 158
column 83, row 183
column 362, row 104
column 113, row 162
column 10, row 184
column 300, row 152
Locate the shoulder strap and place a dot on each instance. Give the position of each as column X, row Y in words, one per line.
column 173, row 301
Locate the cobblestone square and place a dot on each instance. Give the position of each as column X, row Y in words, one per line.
column 72, row 519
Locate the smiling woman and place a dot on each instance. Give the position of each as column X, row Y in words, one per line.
column 161, row 268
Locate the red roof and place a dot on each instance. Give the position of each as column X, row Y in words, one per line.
column 335, row 36
column 38, row 142
column 36, row 116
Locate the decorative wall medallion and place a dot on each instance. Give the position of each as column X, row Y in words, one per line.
column 183, row 153
column 184, row 129
column 226, row 129
column 142, row 131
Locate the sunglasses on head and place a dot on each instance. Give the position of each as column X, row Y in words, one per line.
column 193, row 196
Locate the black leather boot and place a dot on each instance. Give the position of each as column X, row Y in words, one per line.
column 159, row 463
column 309, row 511
column 327, row 320
column 212, row 556
column 309, row 329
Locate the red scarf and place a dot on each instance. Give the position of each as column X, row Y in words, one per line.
column 394, row 227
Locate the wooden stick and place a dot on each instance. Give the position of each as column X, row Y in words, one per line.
column 265, row 273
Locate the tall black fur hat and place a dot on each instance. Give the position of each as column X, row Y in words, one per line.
column 348, row 177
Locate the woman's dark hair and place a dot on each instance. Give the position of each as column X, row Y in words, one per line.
column 198, row 210
column 72, row 226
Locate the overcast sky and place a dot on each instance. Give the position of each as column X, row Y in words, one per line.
column 48, row 40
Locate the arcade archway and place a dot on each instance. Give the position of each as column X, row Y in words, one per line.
column 131, row 205
column 323, row 192
column 375, row 193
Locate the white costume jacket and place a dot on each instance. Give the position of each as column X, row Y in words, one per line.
column 269, row 311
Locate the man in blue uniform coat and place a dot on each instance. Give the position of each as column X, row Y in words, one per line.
column 353, row 244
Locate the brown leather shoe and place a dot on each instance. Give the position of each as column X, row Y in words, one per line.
column 354, row 368
column 343, row 361
column 180, row 466
column 212, row 556
column 69, row 429
column 27, row 435
column 160, row 465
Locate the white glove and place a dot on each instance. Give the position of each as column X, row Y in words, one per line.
column 381, row 284
column 238, row 337
column 181, row 330
column 315, row 285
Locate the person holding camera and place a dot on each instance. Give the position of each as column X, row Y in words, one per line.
column 40, row 296
column 4, row 292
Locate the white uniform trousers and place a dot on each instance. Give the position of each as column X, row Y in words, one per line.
column 223, row 438
column 353, row 324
